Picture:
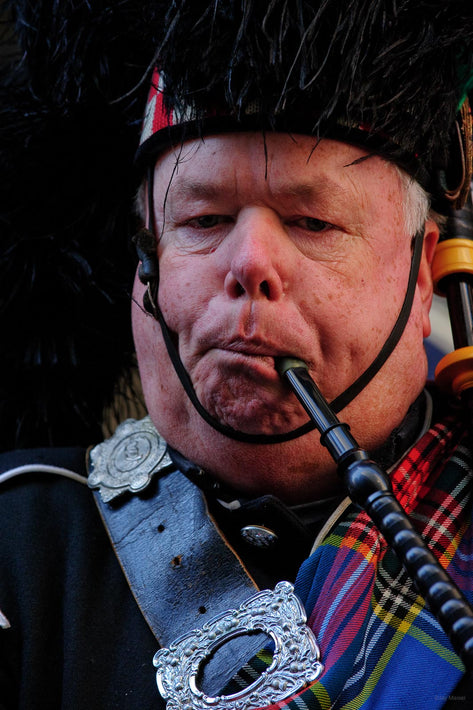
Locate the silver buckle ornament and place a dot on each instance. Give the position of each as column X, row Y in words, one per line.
column 280, row 615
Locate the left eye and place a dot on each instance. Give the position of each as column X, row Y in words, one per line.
column 312, row 224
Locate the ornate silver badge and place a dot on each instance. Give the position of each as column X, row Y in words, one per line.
column 280, row 615
column 128, row 460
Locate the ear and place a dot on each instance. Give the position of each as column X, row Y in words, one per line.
column 424, row 279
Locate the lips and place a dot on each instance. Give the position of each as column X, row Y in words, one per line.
column 255, row 358
column 252, row 348
column 250, row 329
column 226, row 341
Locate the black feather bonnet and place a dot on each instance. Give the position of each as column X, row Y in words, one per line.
column 389, row 74
column 392, row 74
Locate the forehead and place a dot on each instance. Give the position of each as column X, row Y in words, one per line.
column 278, row 164
column 274, row 148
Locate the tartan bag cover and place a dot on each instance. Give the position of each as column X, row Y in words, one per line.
column 380, row 645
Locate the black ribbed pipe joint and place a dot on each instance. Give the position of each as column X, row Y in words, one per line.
column 432, row 582
column 365, row 481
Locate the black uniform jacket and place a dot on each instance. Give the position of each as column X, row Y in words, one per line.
column 77, row 639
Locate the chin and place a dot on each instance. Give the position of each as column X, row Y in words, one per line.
column 257, row 417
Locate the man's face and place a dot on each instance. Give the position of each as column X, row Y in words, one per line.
column 268, row 249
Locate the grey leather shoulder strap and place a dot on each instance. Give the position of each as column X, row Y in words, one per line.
column 178, row 566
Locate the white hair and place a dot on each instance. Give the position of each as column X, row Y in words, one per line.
column 415, row 200
column 416, row 204
column 140, row 201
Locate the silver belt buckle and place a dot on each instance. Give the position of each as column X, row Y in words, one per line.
column 280, row 615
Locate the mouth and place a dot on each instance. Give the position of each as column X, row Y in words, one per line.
column 253, row 347
column 258, row 358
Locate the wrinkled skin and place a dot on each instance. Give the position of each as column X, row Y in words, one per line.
column 300, row 252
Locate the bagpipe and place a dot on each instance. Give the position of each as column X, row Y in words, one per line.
column 368, row 485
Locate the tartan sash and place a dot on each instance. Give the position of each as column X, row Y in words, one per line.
column 380, row 645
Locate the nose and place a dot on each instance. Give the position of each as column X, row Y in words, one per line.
column 256, row 262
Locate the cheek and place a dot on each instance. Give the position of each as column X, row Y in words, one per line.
column 161, row 387
column 146, row 332
column 355, row 310
column 185, row 288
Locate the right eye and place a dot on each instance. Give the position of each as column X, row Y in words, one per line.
column 207, row 221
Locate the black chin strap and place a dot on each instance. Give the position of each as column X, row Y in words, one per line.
column 393, row 338
column 148, row 273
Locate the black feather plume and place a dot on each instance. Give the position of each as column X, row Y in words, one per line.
column 399, row 67
column 67, row 141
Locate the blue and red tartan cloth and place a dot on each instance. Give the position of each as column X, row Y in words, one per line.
column 380, row 645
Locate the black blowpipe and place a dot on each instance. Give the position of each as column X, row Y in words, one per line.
column 369, row 487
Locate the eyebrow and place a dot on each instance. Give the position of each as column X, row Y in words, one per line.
column 185, row 189
column 318, row 189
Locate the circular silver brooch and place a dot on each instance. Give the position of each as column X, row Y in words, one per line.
column 128, row 460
